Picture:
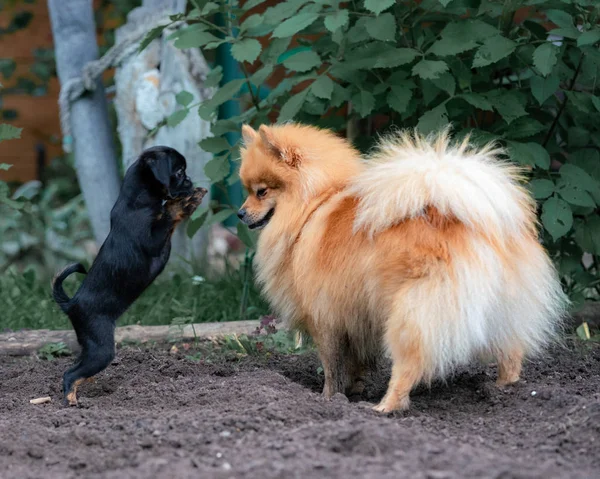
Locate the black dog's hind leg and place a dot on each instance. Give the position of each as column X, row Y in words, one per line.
column 98, row 351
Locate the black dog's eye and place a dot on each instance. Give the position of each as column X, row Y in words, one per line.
column 179, row 173
column 261, row 193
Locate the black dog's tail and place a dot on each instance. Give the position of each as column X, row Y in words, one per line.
column 58, row 292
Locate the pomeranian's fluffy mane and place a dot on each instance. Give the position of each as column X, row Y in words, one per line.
column 409, row 172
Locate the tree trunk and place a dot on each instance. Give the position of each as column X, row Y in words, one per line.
column 74, row 33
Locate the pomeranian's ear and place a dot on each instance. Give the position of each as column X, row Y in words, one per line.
column 289, row 154
column 248, row 134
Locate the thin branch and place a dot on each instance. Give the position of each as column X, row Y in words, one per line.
column 564, row 103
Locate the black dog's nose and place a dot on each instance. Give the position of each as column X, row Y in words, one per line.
column 241, row 213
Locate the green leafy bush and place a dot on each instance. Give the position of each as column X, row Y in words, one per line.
column 523, row 73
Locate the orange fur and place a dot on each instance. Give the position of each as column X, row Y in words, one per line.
column 360, row 291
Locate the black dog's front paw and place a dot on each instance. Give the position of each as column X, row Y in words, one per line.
column 192, row 202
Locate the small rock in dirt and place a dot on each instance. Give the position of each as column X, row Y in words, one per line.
column 226, row 466
column 533, row 393
column 146, row 444
column 546, row 395
column 35, row 453
column 339, row 397
column 219, row 455
column 224, row 434
column 438, row 475
column 156, row 433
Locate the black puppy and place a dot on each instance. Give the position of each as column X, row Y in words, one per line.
column 155, row 196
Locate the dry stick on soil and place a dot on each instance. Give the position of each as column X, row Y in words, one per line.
column 40, row 400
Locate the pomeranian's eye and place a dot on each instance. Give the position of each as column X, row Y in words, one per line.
column 261, row 193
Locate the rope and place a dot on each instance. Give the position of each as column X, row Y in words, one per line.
column 75, row 87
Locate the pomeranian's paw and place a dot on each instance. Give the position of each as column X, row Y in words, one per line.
column 509, row 381
column 388, row 405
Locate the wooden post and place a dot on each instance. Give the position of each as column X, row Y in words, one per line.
column 74, row 33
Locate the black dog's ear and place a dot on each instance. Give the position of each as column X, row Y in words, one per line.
column 161, row 170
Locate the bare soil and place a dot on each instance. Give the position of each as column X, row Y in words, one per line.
column 155, row 414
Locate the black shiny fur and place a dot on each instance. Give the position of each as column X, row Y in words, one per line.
column 132, row 256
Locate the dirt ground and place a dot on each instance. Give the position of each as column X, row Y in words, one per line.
column 153, row 414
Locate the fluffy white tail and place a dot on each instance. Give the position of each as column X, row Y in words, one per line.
column 408, row 173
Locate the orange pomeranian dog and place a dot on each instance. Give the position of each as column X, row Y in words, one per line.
column 427, row 251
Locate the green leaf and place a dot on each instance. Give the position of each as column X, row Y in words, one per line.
column 226, row 92
column 541, row 189
column 557, row 217
column 196, row 221
column 217, row 168
column 560, row 18
column 184, row 98
column 382, row 27
column 220, row 216
column 573, row 193
column 9, row 132
column 177, row 117
column 589, row 38
column 433, row 120
column 596, row 102
column 246, row 50
column 575, row 175
column 529, row 154
column 295, row 24
column 524, row 127
column 578, row 137
column 214, row 144
column 430, row 69
column 582, row 101
column 251, row 22
column 303, row 61
column 261, row 75
column 322, row 87
column 363, row 102
column 508, row 103
column 587, row 234
column 450, row 46
column 459, row 37
column 5, row 166
column 250, row 4
column 544, row 88
column 378, row 6
column 150, row 36
column 336, row 20
column 446, row 82
column 194, row 37
column 399, row 97
column 545, row 57
column 395, row 57
column 493, row 50
column 569, row 32
column 291, row 107
column 245, row 235
column 477, row 100
column 214, row 77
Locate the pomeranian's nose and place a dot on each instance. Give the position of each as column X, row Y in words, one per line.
column 241, row 213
